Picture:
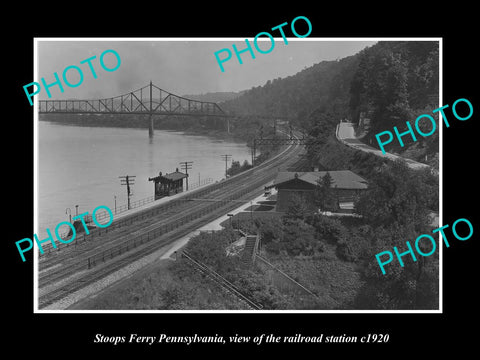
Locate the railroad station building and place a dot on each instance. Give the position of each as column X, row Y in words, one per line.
column 168, row 184
column 346, row 184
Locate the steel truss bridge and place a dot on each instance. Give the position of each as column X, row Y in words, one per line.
column 149, row 100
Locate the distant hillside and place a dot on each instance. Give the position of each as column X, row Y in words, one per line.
column 323, row 84
column 216, row 97
column 388, row 83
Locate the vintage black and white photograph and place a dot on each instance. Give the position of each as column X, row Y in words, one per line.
column 239, row 175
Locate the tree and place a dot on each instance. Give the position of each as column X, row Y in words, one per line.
column 397, row 206
column 395, row 194
column 210, row 250
column 234, row 168
column 298, row 209
column 392, row 81
column 325, row 197
column 329, row 229
column 355, row 244
column 298, row 239
column 413, row 286
column 270, row 229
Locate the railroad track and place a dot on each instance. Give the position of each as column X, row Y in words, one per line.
column 109, row 267
column 221, row 281
column 121, row 244
column 154, row 228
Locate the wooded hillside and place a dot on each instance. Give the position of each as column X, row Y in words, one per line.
column 388, row 83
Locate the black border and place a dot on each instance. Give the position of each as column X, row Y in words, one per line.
column 57, row 333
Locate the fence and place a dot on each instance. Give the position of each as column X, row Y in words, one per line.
column 133, row 205
column 212, row 209
column 104, row 215
column 200, row 183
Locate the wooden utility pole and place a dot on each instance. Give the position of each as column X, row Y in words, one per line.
column 127, row 180
column 226, row 158
column 186, row 165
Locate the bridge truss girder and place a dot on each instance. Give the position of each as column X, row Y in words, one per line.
column 148, row 100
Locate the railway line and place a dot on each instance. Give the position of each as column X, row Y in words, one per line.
column 132, row 237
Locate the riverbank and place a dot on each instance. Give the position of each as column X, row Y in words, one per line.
column 184, row 126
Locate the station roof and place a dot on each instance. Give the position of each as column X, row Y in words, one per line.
column 341, row 179
column 174, row 176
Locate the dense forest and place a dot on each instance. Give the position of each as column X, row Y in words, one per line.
column 396, row 82
column 296, row 96
column 387, row 84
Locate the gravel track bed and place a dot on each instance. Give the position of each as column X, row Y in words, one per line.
column 101, row 284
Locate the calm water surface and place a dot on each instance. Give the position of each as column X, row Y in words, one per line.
column 81, row 165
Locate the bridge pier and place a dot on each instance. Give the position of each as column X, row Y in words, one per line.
column 150, row 126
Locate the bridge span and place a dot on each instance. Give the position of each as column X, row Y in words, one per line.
column 148, row 100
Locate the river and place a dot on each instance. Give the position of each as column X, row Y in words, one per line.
column 81, row 165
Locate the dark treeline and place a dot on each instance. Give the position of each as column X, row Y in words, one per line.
column 137, row 121
column 215, row 97
column 296, row 96
column 396, row 82
column 388, row 84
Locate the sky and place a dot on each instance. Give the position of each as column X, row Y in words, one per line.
column 177, row 65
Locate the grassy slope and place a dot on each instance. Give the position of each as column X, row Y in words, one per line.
column 157, row 287
column 166, row 285
column 335, row 282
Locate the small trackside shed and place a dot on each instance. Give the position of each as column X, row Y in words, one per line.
column 168, row 184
